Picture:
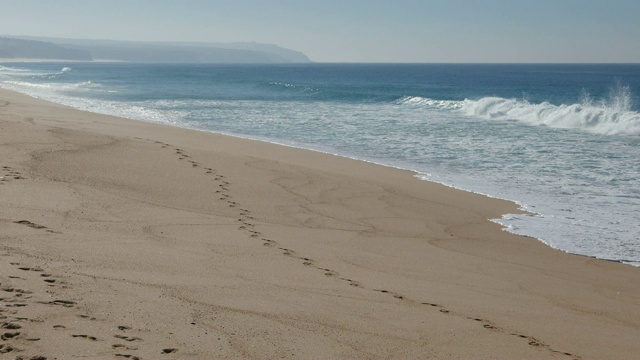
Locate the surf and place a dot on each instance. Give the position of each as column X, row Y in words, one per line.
column 610, row 116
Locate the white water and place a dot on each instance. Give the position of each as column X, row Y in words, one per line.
column 583, row 184
column 609, row 117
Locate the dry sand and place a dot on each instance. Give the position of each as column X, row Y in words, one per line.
column 126, row 239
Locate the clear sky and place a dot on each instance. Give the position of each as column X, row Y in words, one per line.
column 356, row 30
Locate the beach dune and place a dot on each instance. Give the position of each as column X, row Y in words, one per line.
column 127, row 239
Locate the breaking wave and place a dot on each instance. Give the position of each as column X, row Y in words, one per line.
column 23, row 85
column 436, row 104
column 611, row 116
column 601, row 119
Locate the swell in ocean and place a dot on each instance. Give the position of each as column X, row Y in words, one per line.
column 567, row 154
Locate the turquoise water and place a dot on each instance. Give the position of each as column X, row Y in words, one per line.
column 561, row 140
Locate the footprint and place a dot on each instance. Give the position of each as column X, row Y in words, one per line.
column 431, row 304
column 18, row 291
column 127, row 338
column 65, row 303
column 128, row 356
column 269, row 243
column 30, row 224
column 306, row 261
column 330, row 273
column 352, row 282
column 24, row 268
column 10, row 326
column 5, row 348
column 397, row 296
column 92, row 338
column 9, row 335
column 563, row 353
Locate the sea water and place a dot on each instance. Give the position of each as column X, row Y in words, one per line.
column 563, row 141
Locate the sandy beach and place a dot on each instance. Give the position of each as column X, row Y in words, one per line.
column 125, row 239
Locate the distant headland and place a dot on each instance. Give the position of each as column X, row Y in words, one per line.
column 43, row 48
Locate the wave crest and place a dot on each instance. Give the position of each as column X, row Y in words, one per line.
column 426, row 102
column 289, row 86
column 23, row 85
column 609, row 120
column 611, row 116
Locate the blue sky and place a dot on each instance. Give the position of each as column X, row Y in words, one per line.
column 356, row 30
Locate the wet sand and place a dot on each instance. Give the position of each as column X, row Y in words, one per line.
column 123, row 239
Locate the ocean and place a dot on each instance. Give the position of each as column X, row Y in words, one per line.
column 563, row 141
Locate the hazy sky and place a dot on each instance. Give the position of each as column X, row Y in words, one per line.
column 356, row 30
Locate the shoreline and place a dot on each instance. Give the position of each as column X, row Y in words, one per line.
column 164, row 241
column 521, row 209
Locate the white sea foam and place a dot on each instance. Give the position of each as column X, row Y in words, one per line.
column 594, row 118
column 37, row 89
column 437, row 104
column 5, row 69
column 292, row 86
column 11, row 72
column 610, row 117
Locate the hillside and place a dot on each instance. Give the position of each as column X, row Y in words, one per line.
column 33, row 49
column 157, row 52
